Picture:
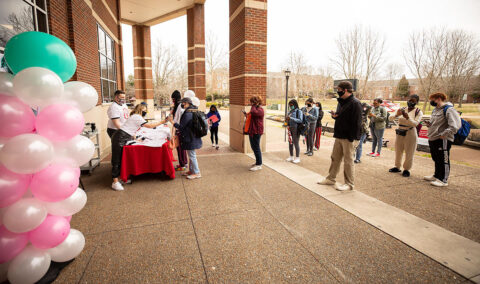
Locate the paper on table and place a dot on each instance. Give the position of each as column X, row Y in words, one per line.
column 153, row 137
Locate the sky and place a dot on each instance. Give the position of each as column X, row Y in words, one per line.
column 311, row 26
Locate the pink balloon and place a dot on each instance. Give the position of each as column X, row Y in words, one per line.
column 12, row 186
column 55, row 183
column 16, row 117
column 11, row 244
column 52, row 232
column 60, row 122
column 68, row 218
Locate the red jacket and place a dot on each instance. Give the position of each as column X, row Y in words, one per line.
column 256, row 125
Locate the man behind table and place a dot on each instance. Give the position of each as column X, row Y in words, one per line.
column 117, row 113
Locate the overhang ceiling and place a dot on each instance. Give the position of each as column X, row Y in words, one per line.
column 152, row 12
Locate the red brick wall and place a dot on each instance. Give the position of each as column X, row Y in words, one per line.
column 143, row 66
column 196, row 36
column 73, row 22
column 248, row 25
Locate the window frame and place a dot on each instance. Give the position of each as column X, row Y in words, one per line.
column 104, row 77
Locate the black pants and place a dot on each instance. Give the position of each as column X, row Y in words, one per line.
column 119, row 139
column 110, row 132
column 214, row 134
column 255, row 144
column 440, row 151
column 295, row 136
column 311, row 136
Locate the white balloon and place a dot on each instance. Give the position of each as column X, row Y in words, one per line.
column 189, row 94
column 76, row 151
column 6, row 84
column 3, row 271
column 70, row 248
column 29, row 266
column 38, row 87
column 24, row 215
column 27, row 153
column 81, row 95
column 196, row 101
column 69, row 206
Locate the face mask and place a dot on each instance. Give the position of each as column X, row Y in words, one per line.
column 411, row 104
column 144, row 113
column 292, row 107
column 182, row 106
column 433, row 103
column 341, row 93
column 309, row 105
column 121, row 101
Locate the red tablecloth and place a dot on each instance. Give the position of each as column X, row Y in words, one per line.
column 137, row 160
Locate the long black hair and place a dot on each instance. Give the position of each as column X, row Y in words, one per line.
column 213, row 106
column 319, row 105
column 294, row 103
column 176, row 97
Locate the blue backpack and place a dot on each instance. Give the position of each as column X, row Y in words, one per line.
column 463, row 132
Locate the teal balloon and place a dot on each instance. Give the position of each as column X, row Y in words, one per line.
column 37, row 49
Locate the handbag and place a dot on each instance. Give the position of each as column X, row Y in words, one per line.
column 401, row 132
column 174, row 140
column 248, row 122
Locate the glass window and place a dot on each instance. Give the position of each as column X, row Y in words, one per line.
column 42, row 22
column 40, row 4
column 16, row 16
column 106, row 47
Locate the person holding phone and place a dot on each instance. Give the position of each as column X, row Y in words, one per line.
column 378, row 118
column 255, row 131
column 294, row 118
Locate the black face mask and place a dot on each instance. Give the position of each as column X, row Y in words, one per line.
column 341, row 93
column 433, row 103
column 144, row 113
column 182, row 106
column 309, row 105
column 411, row 104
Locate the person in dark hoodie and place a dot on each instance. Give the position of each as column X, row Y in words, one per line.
column 214, row 125
column 176, row 113
column 188, row 140
column 347, row 129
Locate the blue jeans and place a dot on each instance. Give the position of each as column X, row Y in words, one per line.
column 358, row 154
column 377, row 136
column 193, row 164
column 255, row 144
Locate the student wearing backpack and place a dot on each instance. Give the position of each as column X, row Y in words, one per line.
column 294, row 118
column 214, row 125
column 189, row 139
column 443, row 125
column 378, row 117
column 311, row 114
column 406, row 138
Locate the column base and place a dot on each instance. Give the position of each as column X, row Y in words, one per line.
column 238, row 141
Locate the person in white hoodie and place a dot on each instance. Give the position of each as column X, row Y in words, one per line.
column 442, row 127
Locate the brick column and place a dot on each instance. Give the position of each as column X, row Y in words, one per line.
column 196, row 52
column 142, row 63
column 248, row 64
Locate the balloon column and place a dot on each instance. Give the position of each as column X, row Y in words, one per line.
column 40, row 155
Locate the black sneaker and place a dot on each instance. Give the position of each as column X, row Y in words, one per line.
column 357, row 161
column 406, row 173
column 394, row 170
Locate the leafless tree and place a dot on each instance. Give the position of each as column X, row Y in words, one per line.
column 427, row 56
column 393, row 72
column 464, row 53
column 359, row 55
column 215, row 58
column 297, row 64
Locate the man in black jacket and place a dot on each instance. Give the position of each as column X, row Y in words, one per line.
column 347, row 130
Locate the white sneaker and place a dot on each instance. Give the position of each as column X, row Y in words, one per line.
column 194, row 176
column 255, row 168
column 439, row 183
column 430, row 178
column 296, row 160
column 289, row 159
column 117, row 186
column 326, row 182
column 343, row 187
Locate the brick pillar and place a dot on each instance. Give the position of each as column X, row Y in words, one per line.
column 142, row 65
column 196, row 52
column 248, row 64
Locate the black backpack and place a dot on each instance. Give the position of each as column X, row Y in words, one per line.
column 199, row 124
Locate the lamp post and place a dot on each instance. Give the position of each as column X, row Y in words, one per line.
column 287, row 75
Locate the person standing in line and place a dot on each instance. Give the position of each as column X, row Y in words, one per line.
column 214, row 125
column 406, row 138
column 311, row 115
column 364, row 132
column 188, row 140
column 443, row 125
column 347, row 129
column 117, row 113
column 378, row 118
column 255, row 130
column 318, row 128
column 177, row 112
column 126, row 133
column 294, row 118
